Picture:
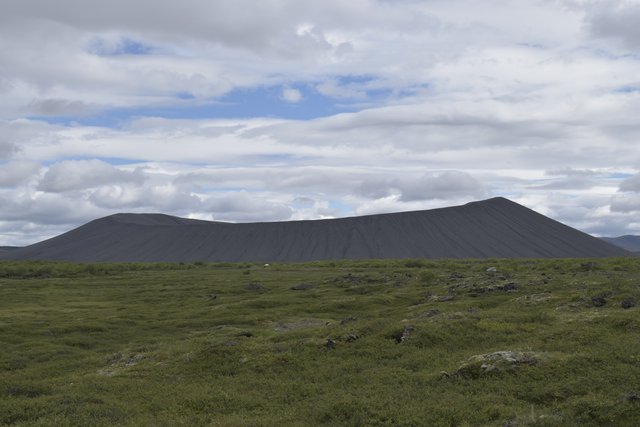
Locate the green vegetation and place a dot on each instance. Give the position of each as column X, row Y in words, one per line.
column 408, row 342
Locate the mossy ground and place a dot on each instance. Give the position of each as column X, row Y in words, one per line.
column 234, row 345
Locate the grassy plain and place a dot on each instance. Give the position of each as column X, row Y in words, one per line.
column 333, row 343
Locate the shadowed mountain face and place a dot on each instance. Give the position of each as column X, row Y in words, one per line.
column 630, row 243
column 494, row 228
column 7, row 249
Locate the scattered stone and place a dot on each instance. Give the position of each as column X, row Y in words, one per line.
column 266, row 265
column 498, row 361
column 330, row 344
column 588, row 266
column 628, row 303
column 299, row 324
column 491, row 270
column 504, row 276
column 348, row 319
column 598, row 301
column 456, row 275
column 256, row 287
column 633, row 397
column 509, row 287
column 431, row 313
column 302, row 287
column 134, row 360
column 404, row 335
column 440, row 298
column 534, row 299
column 351, row 337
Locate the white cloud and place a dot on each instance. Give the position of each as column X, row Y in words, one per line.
column 165, row 198
column 244, row 207
column 6, row 149
column 626, row 202
column 72, row 175
column 618, row 20
column 291, row 95
column 631, row 184
column 17, row 172
column 445, row 186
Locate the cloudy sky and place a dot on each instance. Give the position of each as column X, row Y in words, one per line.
column 266, row 110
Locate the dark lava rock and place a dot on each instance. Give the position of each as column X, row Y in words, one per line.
column 348, row 319
column 633, row 397
column 256, row 287
column 404, row 335
column 351, row 337
column 588, row 266
column 509, row 287
column 302, row 287
column 598, row 301
column 628, row 303
column 441, row 298
column 499, row 361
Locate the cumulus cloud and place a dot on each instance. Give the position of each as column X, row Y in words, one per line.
column 17, row 172
column 244, row 207
column 631, row 184
column 60, row 107
column 616, row 20
column 569, row 179
column 46, row 208
column 446, row 185
column 291, row 95
column 626, row 202
column 6, row 149
column 72, row 175
column 165, row 198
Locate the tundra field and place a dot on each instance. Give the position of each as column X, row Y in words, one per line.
column 403, row 343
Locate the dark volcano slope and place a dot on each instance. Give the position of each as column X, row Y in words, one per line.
column 495, row 228
column 7, row 249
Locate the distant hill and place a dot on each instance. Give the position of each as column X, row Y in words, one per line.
column 630, row 243
column 7, row 249
column 494, row 228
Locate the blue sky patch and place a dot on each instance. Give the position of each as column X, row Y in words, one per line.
column 124, row 46
column 247, row 103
